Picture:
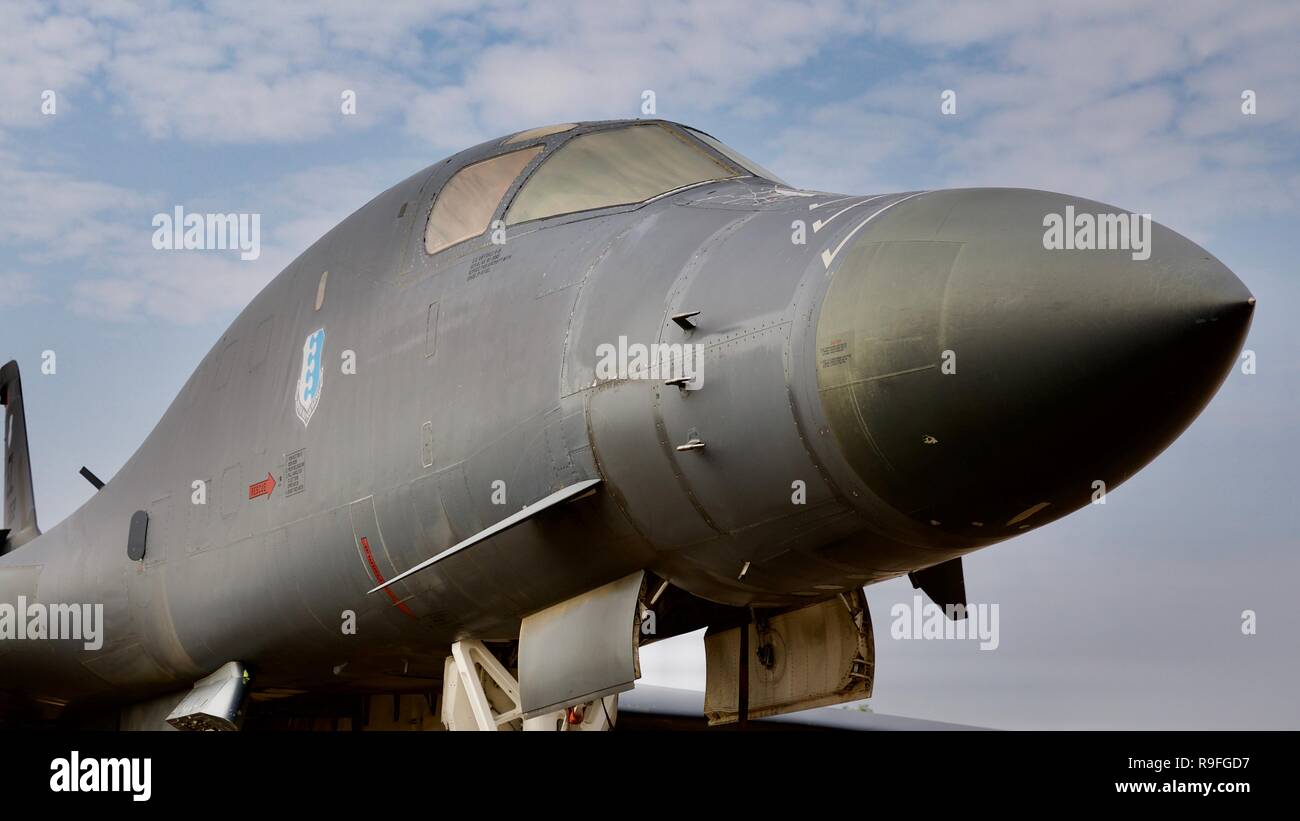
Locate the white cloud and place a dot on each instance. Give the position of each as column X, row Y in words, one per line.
column 218, row 73
column 1133, row 104
column 188, row 287
column 40, row 50
column 101, row 234
column 592, row 60
column 184, row 287
column 18, row 288
column 56, row 216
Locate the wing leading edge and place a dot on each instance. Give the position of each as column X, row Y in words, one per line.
column 557, row 498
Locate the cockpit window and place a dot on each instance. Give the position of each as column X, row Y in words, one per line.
column 616, row 167
column 467, row 200
column 739, row 159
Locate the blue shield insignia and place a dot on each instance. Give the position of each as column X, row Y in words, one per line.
column 312, row 376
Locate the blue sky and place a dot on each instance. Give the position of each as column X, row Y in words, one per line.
column 1121, row 615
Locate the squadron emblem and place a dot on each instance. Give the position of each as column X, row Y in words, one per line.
column 312, row 376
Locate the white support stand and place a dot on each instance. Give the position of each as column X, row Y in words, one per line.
column 472, row 679
column 479, row 693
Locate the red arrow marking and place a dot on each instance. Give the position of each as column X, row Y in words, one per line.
column 262, row 488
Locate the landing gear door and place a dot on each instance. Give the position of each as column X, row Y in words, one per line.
column 581, row 649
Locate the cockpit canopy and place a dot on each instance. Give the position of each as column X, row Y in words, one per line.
column 590, row 170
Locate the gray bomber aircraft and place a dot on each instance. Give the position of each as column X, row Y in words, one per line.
column 586, row 387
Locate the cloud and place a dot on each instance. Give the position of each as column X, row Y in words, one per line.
column 53, row 216
column 217, row 73
column 183, row 287
column 188, row 287
column 447, row 75
column 220, row 75
column 40, row 50
column 1138, row 105
column 18, row 288
column 593, row 60
column 88, row 243
column 1134, row 104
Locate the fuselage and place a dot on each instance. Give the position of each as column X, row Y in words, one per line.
column 455, row 388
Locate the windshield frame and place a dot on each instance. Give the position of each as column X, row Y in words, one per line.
column 680, row 132
column 551, row 143
column 442, row 193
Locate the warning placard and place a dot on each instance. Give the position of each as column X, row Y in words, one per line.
column 295, row 472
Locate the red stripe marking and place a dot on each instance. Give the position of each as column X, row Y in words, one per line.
column 379, row 578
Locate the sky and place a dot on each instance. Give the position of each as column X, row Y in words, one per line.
column 1127, row 614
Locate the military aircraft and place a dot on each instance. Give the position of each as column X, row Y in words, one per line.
column 586, row 387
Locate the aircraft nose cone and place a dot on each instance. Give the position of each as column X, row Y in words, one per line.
column 984, row 375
